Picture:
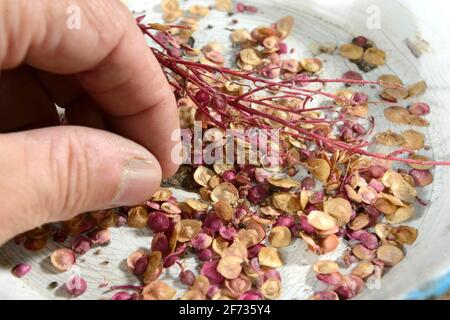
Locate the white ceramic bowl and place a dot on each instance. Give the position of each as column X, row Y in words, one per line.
column 388, row 23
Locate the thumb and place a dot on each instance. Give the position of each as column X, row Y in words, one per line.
column 53, row 174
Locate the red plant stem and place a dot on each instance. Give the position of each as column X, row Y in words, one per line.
column 193, row 73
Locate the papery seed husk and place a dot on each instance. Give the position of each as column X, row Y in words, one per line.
column 402, row 214
column 396, row 114
column 225, row 191
column 374, row 56
column 390, row 254
column 197, row 205
column 383, row 230
column 202, row 175
column 321, row 220
column 271, row 289
column 230, row 267
column 280, row 237
column 360, row 222
column 390, row 80
column 285, row 25
column 224, row 210
column 158, row 290
column 340, row 209
column 286, row 183
column 320, row 169
column 224, row 5
column 363, row 269
column 417, row 89
column 351, row 51
column 405, row 235
column 187, row 229
column 390, row 138
column 161, row 195
column 287, row 202
column 385, row 206
column 325, row 267
column 270, row 257
column 413, row 140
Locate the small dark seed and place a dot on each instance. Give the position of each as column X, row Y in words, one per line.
column 97, row 252
column 52, row 285
column 104, row 263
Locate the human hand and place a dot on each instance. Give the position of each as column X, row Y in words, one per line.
column 105, row 77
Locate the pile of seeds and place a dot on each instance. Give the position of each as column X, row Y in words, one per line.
column 245, row 214
column 363, row 53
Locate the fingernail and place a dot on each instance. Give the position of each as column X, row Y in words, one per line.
column 139, row 181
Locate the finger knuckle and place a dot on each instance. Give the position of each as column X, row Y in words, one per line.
column 71, row 172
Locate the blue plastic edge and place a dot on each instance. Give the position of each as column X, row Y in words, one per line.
column 435, row 288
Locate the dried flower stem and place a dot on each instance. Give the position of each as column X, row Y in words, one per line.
column 185, row 75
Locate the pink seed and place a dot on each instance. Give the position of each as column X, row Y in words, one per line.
column 258, row 193
column 228, row 233
column 360, row 41
column 212, row 223
column 205, row 255
column 421, row 178
column 199, row 242
column 308, row 183
column 352, row 75
column 229, row 176
column 76, row 286
column 272, row 274
column 81, row 245
column 326, row 295
column 21, row 269
column 240, row 7
column 219, row 102
column 153, row 205
column 60, row 236
column 360, row 98
column 376, row 185
column 285, row 221
column 122, row 295
column 160, row 243
column 332, row 279
column 419, row 108
column 317, row 197
column 158, row 222
column 283, row 48
column 187, row 277
column 358, row 129
column 209, row 270
column 253, row 251
column 202, row 96
column 369, row 240
column 261, row 175
column 305, row 226
column 121, row 220
column 251, row 295
column 140, row 266
column 346, row 134
column 376, row 171
column 251, row 9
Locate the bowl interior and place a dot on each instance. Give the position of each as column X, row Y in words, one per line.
column 386, row 22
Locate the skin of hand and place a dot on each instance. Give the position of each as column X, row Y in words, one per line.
column 120, row 110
